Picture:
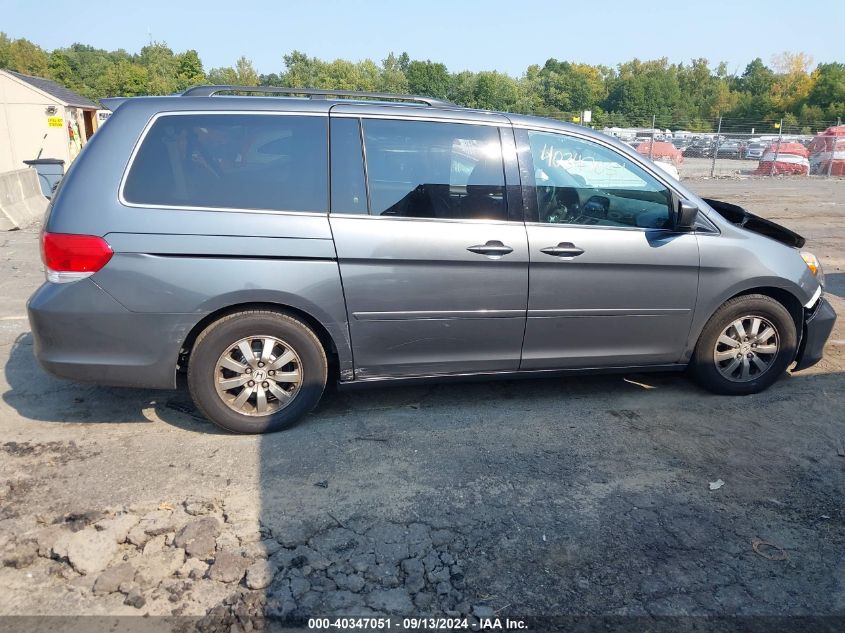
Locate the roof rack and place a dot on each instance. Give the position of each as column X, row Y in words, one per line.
column 312, row 93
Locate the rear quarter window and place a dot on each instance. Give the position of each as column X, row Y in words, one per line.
column 232, row 161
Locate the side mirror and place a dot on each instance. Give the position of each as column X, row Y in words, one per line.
column 685, row 218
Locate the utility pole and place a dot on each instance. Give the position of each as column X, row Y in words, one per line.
column 777, row 149
column 715, row 149
column 833, row 148
column 651, row 145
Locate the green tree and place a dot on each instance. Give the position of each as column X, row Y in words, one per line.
column 720, row 100
column 124, row 79
column 189, row 70
column 392, row 77
column 224, row 76
column 757, row 79
column 309, row 72
column 61, row 69
column 688, row 95
column 698, row 87
column 753, row 108
column 645, row 89
column 828, row 85
column 23, row 56
column 243, row 74
column 88, row 66
column 812, row 116
column 300, row 70
column 345, row 75
column 496, row 91
column 428, row 78
column 792, row 83
column 246, row 72
column 571, row 87
column 531, row 91
column 5, row 46
column 271, row 79
column 162, row 66
column 462, row 90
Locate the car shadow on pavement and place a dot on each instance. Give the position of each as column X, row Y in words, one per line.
column 36, row 395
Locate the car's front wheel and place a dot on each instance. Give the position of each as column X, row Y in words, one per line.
column 745, row 346
column 257, row 371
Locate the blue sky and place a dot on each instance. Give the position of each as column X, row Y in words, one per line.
column 464, row 34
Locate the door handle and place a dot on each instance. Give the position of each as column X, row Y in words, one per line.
column 493, row 248
column 564, row 249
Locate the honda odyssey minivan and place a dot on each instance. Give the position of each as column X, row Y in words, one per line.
column 262, row 240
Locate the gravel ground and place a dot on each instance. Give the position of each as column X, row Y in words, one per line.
column 697, row 168
column 576, row 496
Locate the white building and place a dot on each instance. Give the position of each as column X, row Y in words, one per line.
column 41, row 119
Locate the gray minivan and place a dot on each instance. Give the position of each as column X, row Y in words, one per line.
column 263, row 243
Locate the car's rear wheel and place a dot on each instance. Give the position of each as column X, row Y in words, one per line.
column 257, row 371
column 745, row 346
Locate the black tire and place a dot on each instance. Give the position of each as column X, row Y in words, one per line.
column 220, row 335
column 703, row 366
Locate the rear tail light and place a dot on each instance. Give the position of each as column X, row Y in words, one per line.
column 73, row 257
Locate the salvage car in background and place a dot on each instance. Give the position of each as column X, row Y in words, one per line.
column 730, row 149
column 754, row 151
column 700, row 148
column 784, row 158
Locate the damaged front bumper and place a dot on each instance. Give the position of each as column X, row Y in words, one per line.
column 818, row 324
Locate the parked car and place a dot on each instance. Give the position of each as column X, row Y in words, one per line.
column 661, row 150
column 699, row 148
column 730, row 149
column 264, row 245
column 754, row 151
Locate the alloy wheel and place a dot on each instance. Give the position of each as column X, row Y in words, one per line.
column 746, row 348
column 258, row 375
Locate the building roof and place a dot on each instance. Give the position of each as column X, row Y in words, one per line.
column 57, row 91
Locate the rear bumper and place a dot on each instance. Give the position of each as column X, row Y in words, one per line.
column 81, row 333
column 817, row 328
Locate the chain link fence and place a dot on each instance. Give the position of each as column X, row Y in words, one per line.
column 730, row 151
column 733, row 147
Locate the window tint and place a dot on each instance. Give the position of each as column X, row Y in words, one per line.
column 349, row 193
column 579, row 182
column 239, row 161
column 435, row 170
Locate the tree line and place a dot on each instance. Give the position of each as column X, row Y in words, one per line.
column 635, row 93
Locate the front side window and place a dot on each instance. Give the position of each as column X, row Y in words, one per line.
column 580, row 182
column 234, row 161
column 424, row 169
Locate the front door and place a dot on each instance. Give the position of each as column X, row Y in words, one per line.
column 611, row 285
column 434, row 272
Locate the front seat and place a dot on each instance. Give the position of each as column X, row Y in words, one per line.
column 485, row 197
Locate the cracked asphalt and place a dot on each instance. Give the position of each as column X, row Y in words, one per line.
column 564, row 497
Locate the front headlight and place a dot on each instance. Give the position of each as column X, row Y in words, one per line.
column 814, row 265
